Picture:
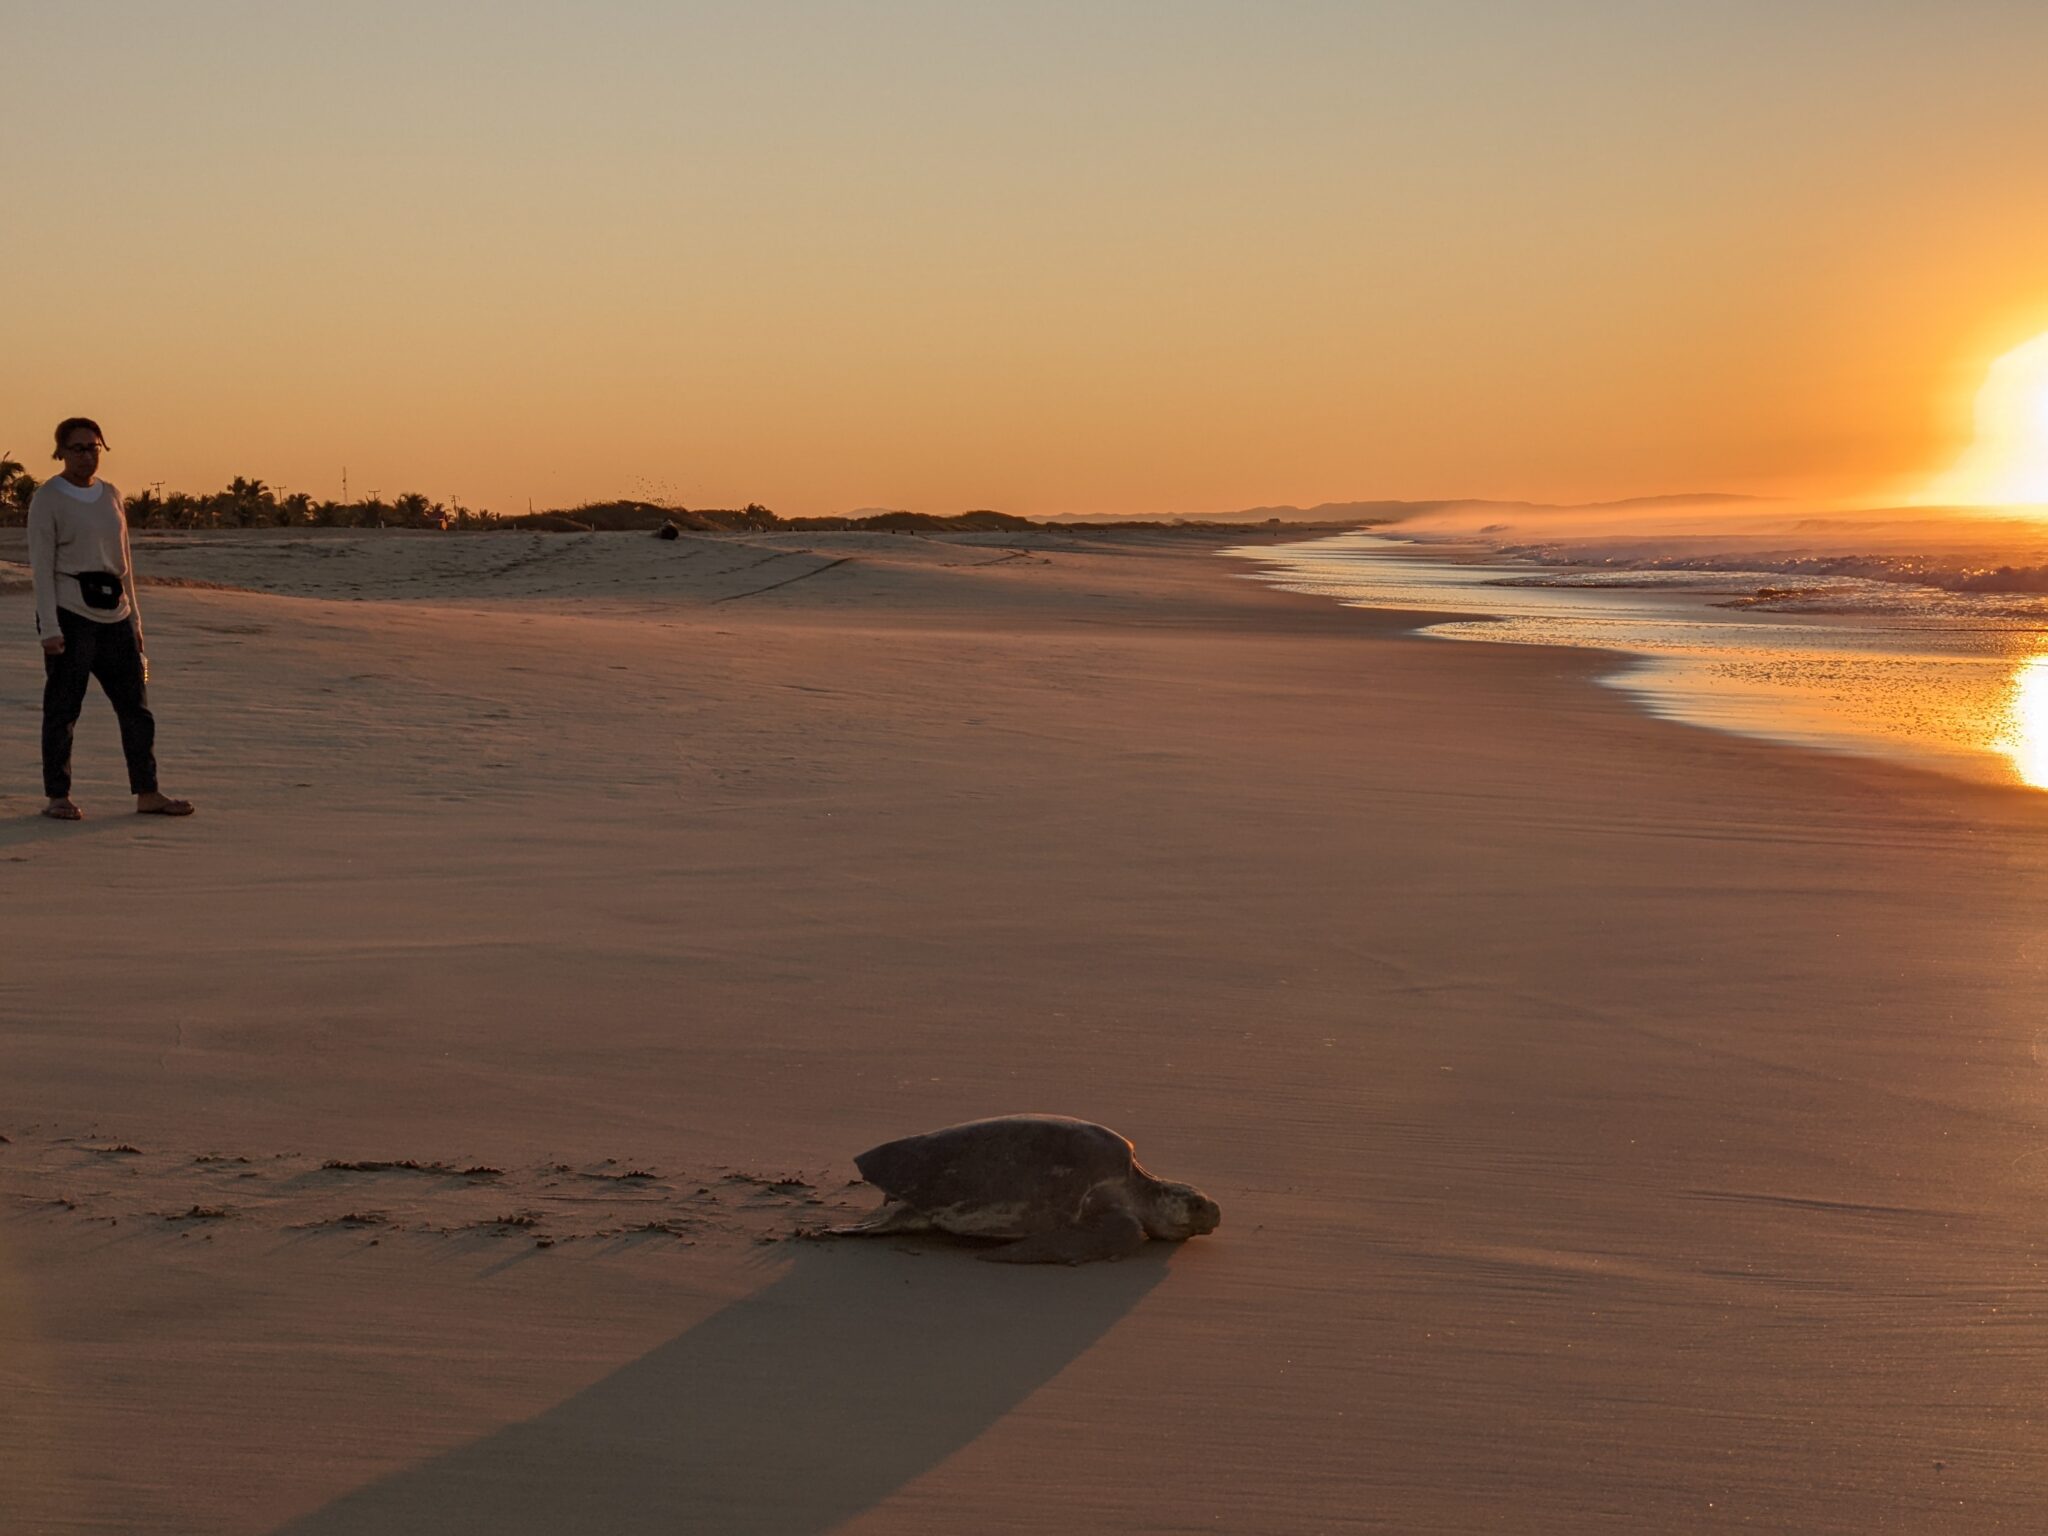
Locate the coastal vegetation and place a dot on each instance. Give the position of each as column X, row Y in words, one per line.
column 248, row 504
column 245, row 503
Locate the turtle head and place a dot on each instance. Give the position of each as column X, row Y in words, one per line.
column 1177, row 1212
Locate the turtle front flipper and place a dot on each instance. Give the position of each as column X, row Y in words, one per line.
column 1110, row 1234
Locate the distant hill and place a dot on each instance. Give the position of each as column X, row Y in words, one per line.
column 646, row 516
column 641, row 516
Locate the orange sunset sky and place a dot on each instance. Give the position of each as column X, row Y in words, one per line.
column 1096, row 257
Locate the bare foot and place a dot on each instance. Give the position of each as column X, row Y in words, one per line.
column 156, row 804
column 61, row 809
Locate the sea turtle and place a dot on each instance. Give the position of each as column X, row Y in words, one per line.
column 1057, row 1191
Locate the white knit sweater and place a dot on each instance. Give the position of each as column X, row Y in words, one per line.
column 72, row 530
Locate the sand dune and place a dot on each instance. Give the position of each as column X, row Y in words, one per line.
column 1618, row 1126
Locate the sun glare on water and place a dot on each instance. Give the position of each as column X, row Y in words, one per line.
column 2023, row 734
column 2007, row 463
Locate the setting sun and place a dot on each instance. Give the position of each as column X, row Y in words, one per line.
column 2007, row 463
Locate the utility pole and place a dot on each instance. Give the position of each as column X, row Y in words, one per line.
column 344, row 485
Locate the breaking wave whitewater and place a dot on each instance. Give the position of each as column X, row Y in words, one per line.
column 1795, row 583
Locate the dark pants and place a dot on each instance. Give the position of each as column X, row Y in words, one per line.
column 108, row 652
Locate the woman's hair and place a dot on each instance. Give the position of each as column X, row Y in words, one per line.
column 71, row 424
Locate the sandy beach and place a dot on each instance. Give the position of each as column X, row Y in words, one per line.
column 1618, row 1126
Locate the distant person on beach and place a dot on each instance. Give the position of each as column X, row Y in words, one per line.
column 88, row 621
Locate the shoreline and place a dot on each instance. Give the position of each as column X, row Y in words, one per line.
column 1608, row 1120
column 1955, row 699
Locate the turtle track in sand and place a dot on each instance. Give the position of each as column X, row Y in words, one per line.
column 98, row 1181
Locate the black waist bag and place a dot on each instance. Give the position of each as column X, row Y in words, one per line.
column 100, row 589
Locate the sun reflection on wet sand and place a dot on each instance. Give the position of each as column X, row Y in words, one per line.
column 2023, row 733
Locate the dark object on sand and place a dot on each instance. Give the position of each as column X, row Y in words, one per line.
column 1056, row 1191
column 668, row 531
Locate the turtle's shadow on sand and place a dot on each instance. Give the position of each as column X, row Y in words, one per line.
column 789, row 1412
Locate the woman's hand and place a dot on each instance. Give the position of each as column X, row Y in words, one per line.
column 53, row 645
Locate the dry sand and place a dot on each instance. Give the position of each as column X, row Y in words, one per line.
column 1618, row 1126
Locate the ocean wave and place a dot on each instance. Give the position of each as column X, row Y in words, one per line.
column 1793, row 555
column 1862, row 582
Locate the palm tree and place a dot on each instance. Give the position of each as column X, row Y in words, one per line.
column 250, row 503
column 16, row 484
column 144, row 508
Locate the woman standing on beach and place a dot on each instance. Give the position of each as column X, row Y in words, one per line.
column 88, row 621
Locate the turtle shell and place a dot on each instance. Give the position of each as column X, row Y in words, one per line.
column 1047, row 1162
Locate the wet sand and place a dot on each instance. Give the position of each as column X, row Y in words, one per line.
column 1618, row 1125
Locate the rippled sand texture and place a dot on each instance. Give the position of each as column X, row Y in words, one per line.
column 1618, row 1127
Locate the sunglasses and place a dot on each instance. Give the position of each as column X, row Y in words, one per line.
column 83, row 447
